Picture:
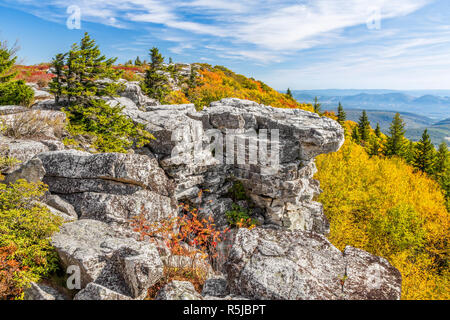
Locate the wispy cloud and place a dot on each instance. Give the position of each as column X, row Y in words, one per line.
column 303, row 43
column 277, row 26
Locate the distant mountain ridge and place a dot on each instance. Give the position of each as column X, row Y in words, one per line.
column 436, row 107
column 415, row 124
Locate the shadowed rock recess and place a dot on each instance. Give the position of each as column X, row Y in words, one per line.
column 286, row 257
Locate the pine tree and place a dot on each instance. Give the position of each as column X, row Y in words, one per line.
column 170, row 60
column 395, row 145
column 364, row 126
column 80, row 71
column 342, row 116
column 378, row 131
column 7, row 61
column 317, row 106
column 155, row 84
column 425, row 154
column 289, row 93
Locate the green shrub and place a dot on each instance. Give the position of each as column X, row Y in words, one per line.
column 108, row 128
column 27, row 226
column 240, row 217
column 16, row 93
column 237, row 192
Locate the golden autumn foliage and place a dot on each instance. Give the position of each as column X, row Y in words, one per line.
column 383, row 206
column 216, row 83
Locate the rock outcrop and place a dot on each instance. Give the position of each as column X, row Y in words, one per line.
column 282, row 185
column 109, row 187
column 286, row 265
column 269, row 152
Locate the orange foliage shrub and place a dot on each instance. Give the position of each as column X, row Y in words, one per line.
column 10, row 274
column 189, row 236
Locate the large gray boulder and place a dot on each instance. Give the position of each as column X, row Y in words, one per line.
column 296, row 265
column 110, row 187
column 131, row 169
column 108, row 258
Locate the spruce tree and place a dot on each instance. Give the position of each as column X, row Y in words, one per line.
column 84, row 77
column 138, row 62
column 317, row 106
column 442, row 158
column 355, row 135
column 79, row 73
column 374, row 149
column 425, row 154
column 57, row 86
column 395, row 144
column 442, row 170
column 342, row 116
column 410, row 152
column 364, row 126
column 289, row 93
column 378, row 131
column 155, row 84
column 7, row 61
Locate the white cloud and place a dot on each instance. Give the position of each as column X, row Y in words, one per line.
column 271, row 25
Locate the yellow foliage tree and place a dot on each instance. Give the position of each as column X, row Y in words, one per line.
column 385, row 207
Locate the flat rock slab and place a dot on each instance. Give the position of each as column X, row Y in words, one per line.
column 285, row 265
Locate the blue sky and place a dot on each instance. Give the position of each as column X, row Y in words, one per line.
column 301, row 44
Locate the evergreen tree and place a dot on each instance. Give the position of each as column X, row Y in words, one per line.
column 378, row 131
column 395, row 145
column 7, row 61
column 364, row 126
column 83, row 77
column 374, row 149
column 57, row 86
column 138, row 62
column 342, row 116
column 442, row 158
column 12, row 92
column 317, row 106
column 155, row 84
column 425, row 154
column 355, row 135
column 289, row 93
column 442, row 170
column 410, row 152
column 170, row 60
column 79, row 73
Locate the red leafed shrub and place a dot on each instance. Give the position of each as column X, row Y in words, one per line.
column 10, row 274
column 188, row 235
